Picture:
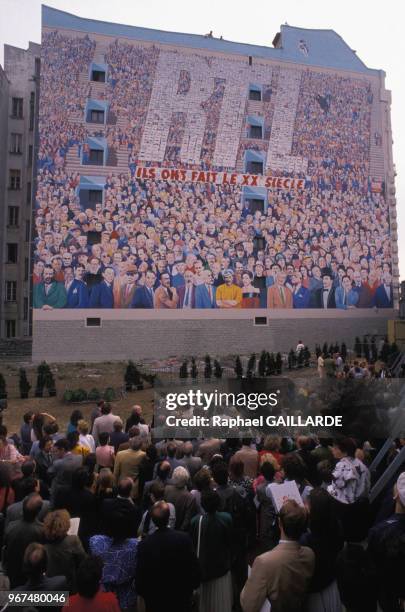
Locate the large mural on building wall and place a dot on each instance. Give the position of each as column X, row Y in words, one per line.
column 174, row 179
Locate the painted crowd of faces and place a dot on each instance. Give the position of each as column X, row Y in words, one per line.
column 171, row 244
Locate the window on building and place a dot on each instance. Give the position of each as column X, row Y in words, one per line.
column 98, row 75
column 255, row 94
column 16, row 144
column 15, row 179
column 26, row 268
column 95, row 196
column 96, row 157
column 12, row 252
column 254, row 167
column 96, row 116
column 13, row 216
column 11, row 291
column 29, row 188
column 27, row 231
column 256, row 204
column 25, row 309
column 30, row 154
column 17, row 108
column 32, row 110
column 255, row 131
column 11, row 327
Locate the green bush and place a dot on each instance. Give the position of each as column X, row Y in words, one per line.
column 109, row 394
column 68, row 396
column 94, row 395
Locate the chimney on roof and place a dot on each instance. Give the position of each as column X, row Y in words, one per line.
column 277, row 41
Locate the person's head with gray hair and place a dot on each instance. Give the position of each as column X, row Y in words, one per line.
column 135, row 443
column 180, row 477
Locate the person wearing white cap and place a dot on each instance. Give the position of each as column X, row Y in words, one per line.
column 386, row 547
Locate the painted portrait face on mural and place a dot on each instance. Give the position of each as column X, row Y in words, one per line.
column 254, row 188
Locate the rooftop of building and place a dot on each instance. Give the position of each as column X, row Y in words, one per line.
column 321, row 48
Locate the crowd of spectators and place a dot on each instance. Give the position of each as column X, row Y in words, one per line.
column 193, row 524
column 325, row 246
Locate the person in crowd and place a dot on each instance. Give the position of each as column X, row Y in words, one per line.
column 105, row 455
column 65, row 552
column 86, row 440
column 283, row 574
column 147, row 526
column 349, row 487
column 278, row 295
column 117, row 436
column 324, row 297
column 102, row 295
column 8, row 451
column 177, row 494
column 237, row 477
column 135, row 418
column 249, row 457
column 75, row 446
column 147, row 468
column 165, row 295
column 35, row 567
column 191, row 463
column 19, row 535
column 346, row 296
column 44, row 457
column 268, row 532
column 118, row 551
column 7, row 495
column 386, row 549
column 25, row 433
column 202, row 481
column 128, row 462
column 166, row 553
column 212, row 539
column 271, row 451
column 105, row 485
column 65, row 463
column 105, row 422
column 75, row 417
column 325, row 537
column 294, row 469
column 30, row 486
column 123, row 505
column 90, row 597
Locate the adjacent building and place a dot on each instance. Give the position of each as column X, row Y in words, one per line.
column 19, row 86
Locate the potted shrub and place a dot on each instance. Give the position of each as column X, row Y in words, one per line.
column 238, row 368
column 109, row 394
column 68, row 396
column 24, row 384
column 208, row 367
column 3, row 388
column 50, row 383
column 218, row 370
column 183, row 372
column 194, row 369
column 94, row 395
column 279, row 363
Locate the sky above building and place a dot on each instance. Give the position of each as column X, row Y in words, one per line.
column 374, row 30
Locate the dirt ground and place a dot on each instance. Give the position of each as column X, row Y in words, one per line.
column 70, row 376
column 94, row 375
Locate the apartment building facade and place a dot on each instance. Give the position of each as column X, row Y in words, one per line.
column 19, row 86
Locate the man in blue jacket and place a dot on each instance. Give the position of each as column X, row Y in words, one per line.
column 205, row 293
column 78, row 293
column 301, row 295
column 346, row 297
column 383, row 294
column 102, row 294
column 144, row 296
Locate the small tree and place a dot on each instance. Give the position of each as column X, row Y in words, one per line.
column 207, row 367
column 357, row 347
column 183, row 373
column 238, row 369
column 41, row 379
column 271, row 364
column 385, row 351
column 262, row 364
column 373, row 350
column 343, row 351
column 307, row 356
column 24, row 384
column 325, row 348
column 291, row 359
column 251, row 366
column 3, row 387
column 318, row 350
column 366, row 349
column 218, row 370
column 50, row 382
column 279, row 363
column 132, row 376
column 194, row 369
column 300, row 359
